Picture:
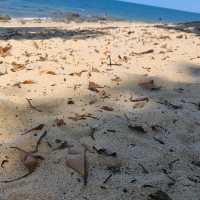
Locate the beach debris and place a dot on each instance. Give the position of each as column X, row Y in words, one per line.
column 137, row 127
column 138, row 99
column 78, row 117
column 39, row 141
column 107, row 179
column 32, row 106
column 60, row 122
column 78, row 73
column 17, row 67
column 79, row 163
column 3, row 162
column 94, row 86
column 36, row 128
column 51, row 72
column 149, row 85
column 105, row 152
column 107, row 108
column 63, row 145
column 143, row 52
column 158, row 140
column 4, row 51
column 159, row 195
column 70, row 101
column 30, row 161
column 144, row 170
column 28, row 82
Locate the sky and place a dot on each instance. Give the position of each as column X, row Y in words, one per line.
column 187, row 5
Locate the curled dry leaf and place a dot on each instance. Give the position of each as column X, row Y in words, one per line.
column 28, row 82
column 17, row 67
column 4, row 51
column 94, row 86
column 51, row 72
column 107, row 108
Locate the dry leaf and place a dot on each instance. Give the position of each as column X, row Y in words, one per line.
column 107, row 108
column 17, row 67
column 51, row 72
column 28, row 82
column 94, row 86
column 78, row 162
column 77, row 73
column 4, row 51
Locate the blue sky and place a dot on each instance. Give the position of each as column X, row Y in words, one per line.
column 188, row 5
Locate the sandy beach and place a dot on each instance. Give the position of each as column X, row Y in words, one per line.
column 111, row 109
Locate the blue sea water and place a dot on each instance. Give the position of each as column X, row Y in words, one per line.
column 112, row 8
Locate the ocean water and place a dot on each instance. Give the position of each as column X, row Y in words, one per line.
column 112, row 8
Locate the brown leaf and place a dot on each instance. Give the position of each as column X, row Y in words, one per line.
column 28, row 82
column 78, row 73
column 4, row 51
column 107, row 108
column 17, row 67
column 79, row 164
column 94, row 86
column 51, row 72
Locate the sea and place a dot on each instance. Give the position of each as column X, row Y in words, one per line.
column 102, row 8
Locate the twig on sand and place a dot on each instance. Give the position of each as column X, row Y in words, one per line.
column 107, row 179
column 39, row 142
column 37, row 128
column 32, row 106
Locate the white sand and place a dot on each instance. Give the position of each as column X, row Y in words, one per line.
column 174, row 65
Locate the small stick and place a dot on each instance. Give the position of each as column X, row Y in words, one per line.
column 107, row 179
column 18, row 178
column 39, row 142
column 37, row 128
column 32, row 106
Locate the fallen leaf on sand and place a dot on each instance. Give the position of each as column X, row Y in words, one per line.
column 107, row 108
column 28, row 82
column 51, row 72
column 149, row 85
column 17, row 67
column 94, row 86
column 78, row 162
column 78, row 73
column 4, row 51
